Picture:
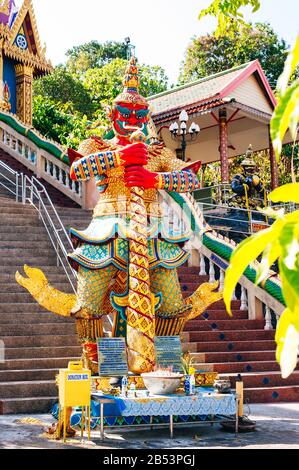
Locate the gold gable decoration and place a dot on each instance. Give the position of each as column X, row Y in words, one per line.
column 29, row 63
column 4, row 7
column 8, row 36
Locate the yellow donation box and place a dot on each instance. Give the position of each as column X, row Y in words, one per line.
column 75, row 391
column 74, row 385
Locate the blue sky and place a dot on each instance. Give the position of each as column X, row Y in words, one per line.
column 160, row 29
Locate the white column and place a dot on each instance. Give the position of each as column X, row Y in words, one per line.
column 244, row 305
column 212, row 272
column 202, row 265
column 268, row 319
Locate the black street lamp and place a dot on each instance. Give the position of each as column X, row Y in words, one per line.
column 181, row 133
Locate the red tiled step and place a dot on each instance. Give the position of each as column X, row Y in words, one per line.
column 216, row 314
column 228, row 346
column 264, row 379
column 221, row 325
column 240, row 357
column 287, row 394
column 245, row 335
column 248, row 366
column 193, row 278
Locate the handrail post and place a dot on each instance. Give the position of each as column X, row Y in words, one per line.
column 17, row 187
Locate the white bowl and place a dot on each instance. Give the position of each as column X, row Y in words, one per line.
column 161, row 385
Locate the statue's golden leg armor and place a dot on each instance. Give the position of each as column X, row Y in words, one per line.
column 171, row 316
column 166, row 282
column 93, row 286
column 92, row 289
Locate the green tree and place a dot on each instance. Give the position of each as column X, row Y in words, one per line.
column 105, row 83
column 239, row 44
column 93, row 55
column 56, row 122
column 62, row 87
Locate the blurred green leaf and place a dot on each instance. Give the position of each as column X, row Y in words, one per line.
column 287, row 339
column 289, row 68
column 270, row 255
column 286, row 193
column 285, row 115
column 244, row 254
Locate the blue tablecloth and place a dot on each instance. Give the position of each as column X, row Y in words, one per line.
column 202, row 403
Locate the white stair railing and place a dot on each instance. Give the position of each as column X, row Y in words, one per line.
column 10, row 180
column 43, row 164
column 31, row 191
column 35, row 194
column 259, row 304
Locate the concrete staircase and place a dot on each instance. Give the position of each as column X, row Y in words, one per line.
column 232, row 346
column 37, row 343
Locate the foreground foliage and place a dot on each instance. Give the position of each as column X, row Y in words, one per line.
column 281, row 241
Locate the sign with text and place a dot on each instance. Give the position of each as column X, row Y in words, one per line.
column 169, row 352
column 112, row 357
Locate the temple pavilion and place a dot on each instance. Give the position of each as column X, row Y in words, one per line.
column 233, row 109
column 22, row 58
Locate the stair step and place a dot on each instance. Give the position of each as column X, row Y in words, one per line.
column 30, row 307
column 20, row 229
column 28, row 375
column 28, row 252
column 37, row 363
column 22, row 259
column 263, row 379
column 27, row 389
column 228, row 335
column 48, row 270
column 42, row 352
column 229, row 346
column 29, row 318
column 18, row 237
column 9, row 278
column 193, row 278
column 212, row 314
column 39, row 341
column 286, row 393
column 38, row 329
column 30, row 221
column 221, row 325
column 245, row 356
column 29, row 245
column 234, row 367
column 29, row 406
column 15, row 288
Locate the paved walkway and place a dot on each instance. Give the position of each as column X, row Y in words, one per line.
column 277, row 428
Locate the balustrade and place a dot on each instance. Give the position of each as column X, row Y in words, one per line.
column 261, row 309
column 42, row 163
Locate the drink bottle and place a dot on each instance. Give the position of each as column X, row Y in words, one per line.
column 192, row 385
column 187, row 385
column 124, row 385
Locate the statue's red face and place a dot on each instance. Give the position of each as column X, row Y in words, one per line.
column 127, row 118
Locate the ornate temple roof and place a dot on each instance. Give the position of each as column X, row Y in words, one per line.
column 8, row 11
column 209, row 92
column 20, row 38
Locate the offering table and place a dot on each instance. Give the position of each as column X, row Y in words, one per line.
column 204, row 402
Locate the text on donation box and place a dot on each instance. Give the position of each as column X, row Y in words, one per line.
column 112, row 357
column 169, row 352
